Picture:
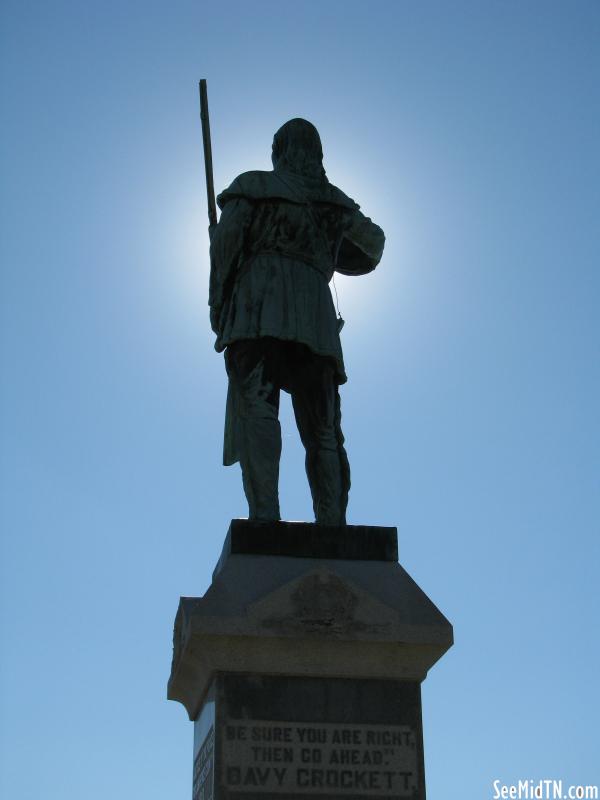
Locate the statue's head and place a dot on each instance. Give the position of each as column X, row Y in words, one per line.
column 297, row 147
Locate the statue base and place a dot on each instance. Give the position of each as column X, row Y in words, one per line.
column 301, row 666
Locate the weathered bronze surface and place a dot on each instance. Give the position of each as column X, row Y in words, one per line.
column 281, row 236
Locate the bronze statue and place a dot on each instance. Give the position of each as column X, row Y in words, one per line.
column 281, row 236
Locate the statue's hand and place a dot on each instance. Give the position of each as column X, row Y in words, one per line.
column 211, row 231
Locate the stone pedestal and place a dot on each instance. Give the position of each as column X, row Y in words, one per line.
column 301, row 666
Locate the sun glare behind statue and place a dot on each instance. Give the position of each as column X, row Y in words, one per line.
column 185, row 283
column 400, row 298
column 360, row 295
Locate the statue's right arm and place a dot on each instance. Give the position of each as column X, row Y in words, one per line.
column 226, row 247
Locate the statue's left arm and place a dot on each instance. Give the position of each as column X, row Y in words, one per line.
column 361, row 247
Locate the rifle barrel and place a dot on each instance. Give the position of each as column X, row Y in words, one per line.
column 208, row 167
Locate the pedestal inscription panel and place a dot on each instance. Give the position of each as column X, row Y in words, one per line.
column 290, row 738
column 204, row 751
column 204, row 769
column 318, row 759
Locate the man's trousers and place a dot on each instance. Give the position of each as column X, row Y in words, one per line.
column 258, row 369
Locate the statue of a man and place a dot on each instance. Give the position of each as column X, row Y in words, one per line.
column 281, row 236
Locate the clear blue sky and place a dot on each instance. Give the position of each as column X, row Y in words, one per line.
column 469, row 132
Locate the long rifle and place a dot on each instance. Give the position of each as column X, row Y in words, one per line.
column 210, row 188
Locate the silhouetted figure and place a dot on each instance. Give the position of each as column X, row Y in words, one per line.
column 281, row 236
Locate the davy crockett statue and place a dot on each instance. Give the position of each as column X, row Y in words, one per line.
column 281, row 236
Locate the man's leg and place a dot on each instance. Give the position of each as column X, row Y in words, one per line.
column 317, row 409
column 258, row 426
